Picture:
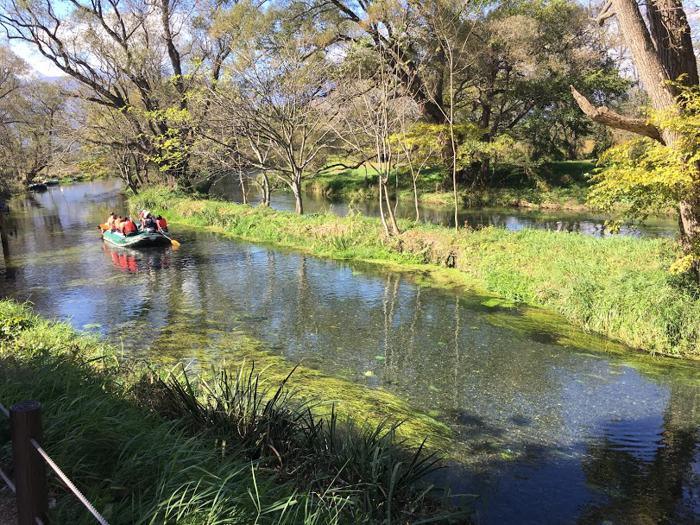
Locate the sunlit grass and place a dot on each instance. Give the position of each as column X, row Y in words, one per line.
column 561, row 185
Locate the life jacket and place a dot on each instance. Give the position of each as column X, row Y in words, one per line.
column 162, row 224
column 129, row 228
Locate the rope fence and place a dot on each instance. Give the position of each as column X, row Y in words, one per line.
column 30, row 459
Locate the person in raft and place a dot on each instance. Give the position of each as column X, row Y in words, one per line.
column 149, row 224
column 128, row 227
column 111, row 220
column 117, row 223
column 161, row 223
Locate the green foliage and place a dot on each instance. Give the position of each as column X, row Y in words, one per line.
column 644, row 176
column 367, row 465
column 422, row 139
column 10, row 327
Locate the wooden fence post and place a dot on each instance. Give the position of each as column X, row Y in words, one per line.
column 29, row 468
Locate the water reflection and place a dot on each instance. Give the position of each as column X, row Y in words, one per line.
column 548, row 426
column 513, row 219
column 144, row 260
column 652, row 480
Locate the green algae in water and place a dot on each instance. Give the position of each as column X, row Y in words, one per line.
column 537, row 323
column 352, row 400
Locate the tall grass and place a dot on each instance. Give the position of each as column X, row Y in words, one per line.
column 367, row 464
column 152, row 448
column 619, row 287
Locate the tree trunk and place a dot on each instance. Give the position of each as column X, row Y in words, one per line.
column 432, row 112
column 265, row 189
column 662, row 53
column 415, row 196
column 689, row 219
column 242, row 183
column 662, row 50
column 390, row 210
column 381, row 206
column 296, row 190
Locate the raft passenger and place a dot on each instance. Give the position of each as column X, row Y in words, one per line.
column 118, row 222
column 110, row 220
column 161, row 223
column 149, row 223
column 129, row 228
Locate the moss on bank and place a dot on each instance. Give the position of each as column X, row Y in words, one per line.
column 150, row 448
column 617, row 286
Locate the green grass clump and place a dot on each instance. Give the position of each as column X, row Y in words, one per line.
column 150, row 447
column 619, row 287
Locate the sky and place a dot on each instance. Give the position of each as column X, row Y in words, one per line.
column 40, row 65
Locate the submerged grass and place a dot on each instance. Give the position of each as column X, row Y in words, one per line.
column 619, row 287
column 150, row 447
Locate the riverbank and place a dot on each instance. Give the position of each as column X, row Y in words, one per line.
column 152, row 447
column 557, row 186
column 618, row 287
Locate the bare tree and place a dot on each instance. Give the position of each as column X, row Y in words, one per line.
column 276, row 98
column 129, row 58
column 370, row 117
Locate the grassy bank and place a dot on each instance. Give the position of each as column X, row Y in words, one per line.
column 149, row 447
column 558, row 185
column 619, row 287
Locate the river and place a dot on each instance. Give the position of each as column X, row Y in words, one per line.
column 514, row 219
column 549, row 425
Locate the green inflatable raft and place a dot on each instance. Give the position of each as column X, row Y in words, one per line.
column 139, row 240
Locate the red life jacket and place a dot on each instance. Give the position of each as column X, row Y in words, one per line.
column 129, row 228
column 162, row 224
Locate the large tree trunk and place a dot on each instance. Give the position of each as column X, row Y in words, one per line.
column 663, row 54
column 662, row 50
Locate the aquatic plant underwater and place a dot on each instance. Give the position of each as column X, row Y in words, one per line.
column 154, row 446
column 619, row 287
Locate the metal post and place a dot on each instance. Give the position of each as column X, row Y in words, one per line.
column 29, row 468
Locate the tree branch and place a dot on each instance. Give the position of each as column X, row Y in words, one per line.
column 606, row 12
column 608, row 117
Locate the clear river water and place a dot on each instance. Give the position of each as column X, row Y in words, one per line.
column 547, row 424
column 512, row 219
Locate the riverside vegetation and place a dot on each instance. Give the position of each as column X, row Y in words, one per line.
column 153, row 447
column 556, row 185
column 620, row 287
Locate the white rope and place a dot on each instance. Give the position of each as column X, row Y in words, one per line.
column 8, row 481
column 69, row 483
